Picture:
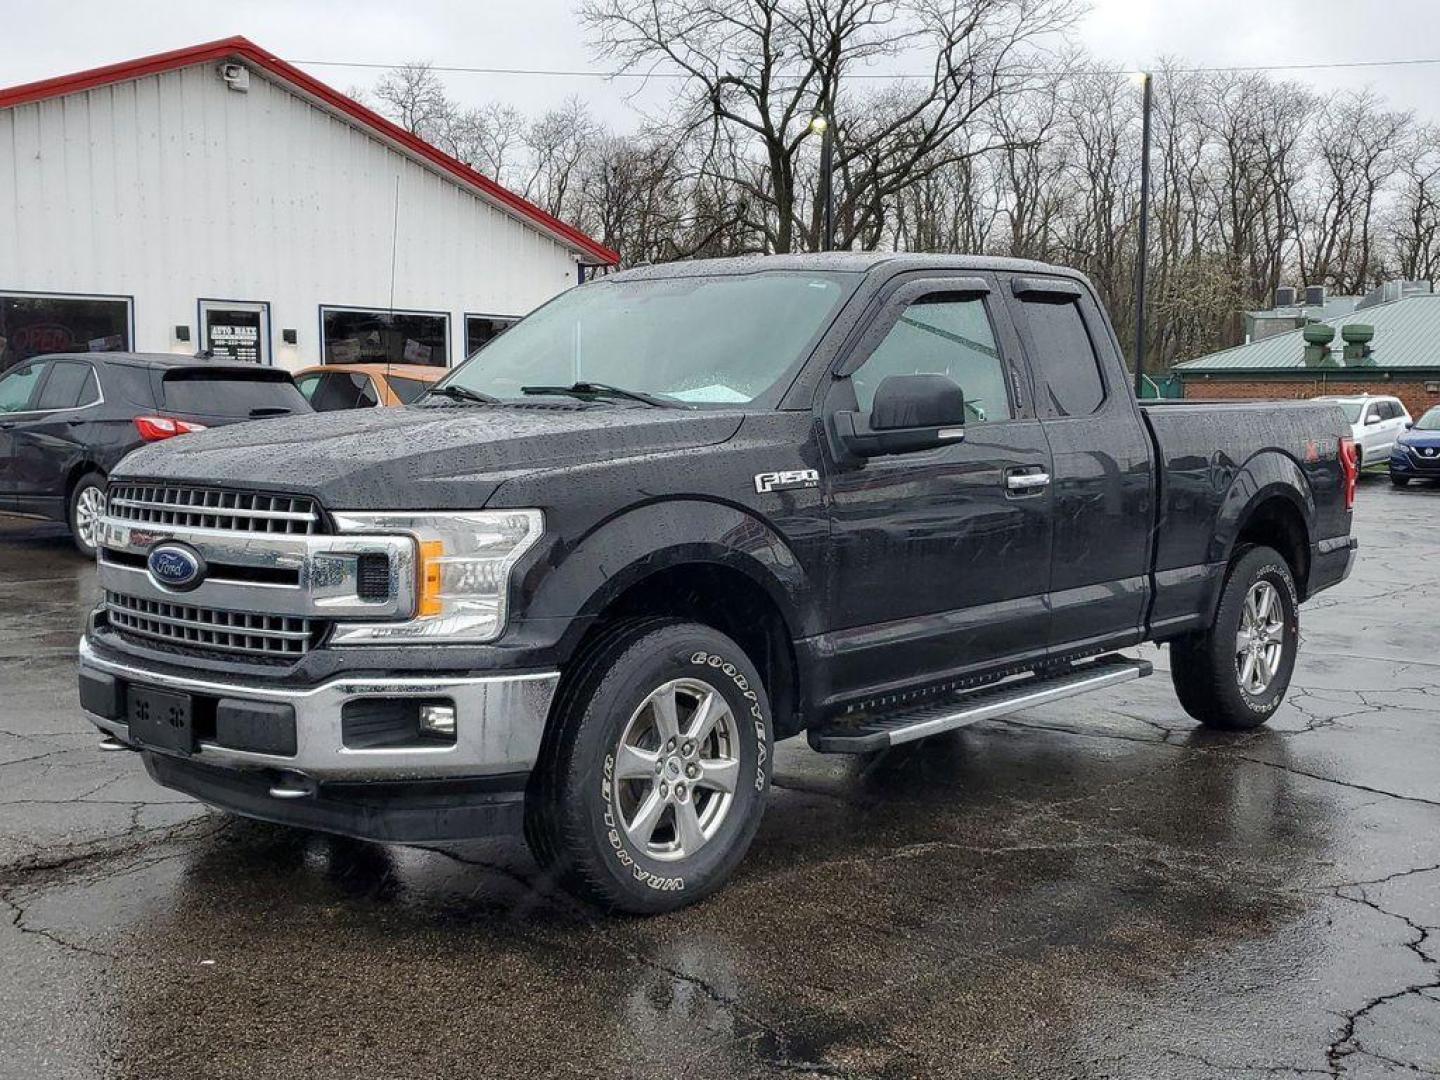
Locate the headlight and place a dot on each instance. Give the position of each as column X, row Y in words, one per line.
column 464, row 563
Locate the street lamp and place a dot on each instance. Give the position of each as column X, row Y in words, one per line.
column 1144, row 80
column 820, row 125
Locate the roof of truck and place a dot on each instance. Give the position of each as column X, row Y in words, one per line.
column 854, row 262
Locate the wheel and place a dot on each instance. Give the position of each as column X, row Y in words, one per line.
column 1234, row 675
column 87, row 507
column 652, row 776
column 1399, row 481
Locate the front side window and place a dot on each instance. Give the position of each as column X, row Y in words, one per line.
column 71, row 385
column 943, row 334
column 407, row 390
column 17, row 389
column 1062, row 357
column 328, row 391
column 33, row 325
column 384, row 337
column 722, row 340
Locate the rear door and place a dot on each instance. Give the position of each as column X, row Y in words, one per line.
column 19, row 389
column 939, row 557
column 52, row 439
column 1102, row 468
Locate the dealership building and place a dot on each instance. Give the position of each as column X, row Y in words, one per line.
column 217, row 199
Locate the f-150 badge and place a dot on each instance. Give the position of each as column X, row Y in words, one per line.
column 786, row 480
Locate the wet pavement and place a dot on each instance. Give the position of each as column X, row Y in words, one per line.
column 1094, row 888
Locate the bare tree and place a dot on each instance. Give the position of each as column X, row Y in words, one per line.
column 414, row 97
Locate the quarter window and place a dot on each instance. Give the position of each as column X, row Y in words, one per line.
column 942, row 334
column 1062, row 357
column 330, row 390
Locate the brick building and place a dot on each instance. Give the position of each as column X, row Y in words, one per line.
column 1402, row 358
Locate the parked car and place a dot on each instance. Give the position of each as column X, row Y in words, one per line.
column 582, row 587
column 363, row 386
column 67, row 419
column 1416, row 455
column 1376, row 421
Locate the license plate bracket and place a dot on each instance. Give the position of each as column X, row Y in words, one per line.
column 160, row 719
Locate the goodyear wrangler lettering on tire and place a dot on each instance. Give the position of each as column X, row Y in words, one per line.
column 617, row 840
column 757, row 716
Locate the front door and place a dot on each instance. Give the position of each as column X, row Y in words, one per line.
column 939, row 557
column 19, row 390
column 1103, row 472
column 235, row 330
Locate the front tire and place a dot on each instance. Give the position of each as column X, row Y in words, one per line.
column 652, row 777
column 1399, row 481
column 86, row 508
column 1234, row 675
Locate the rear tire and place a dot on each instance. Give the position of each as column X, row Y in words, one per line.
column 1234, row 675
column 652, row 777
column 86, row 508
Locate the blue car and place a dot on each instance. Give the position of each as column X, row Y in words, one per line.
column 1416, row 454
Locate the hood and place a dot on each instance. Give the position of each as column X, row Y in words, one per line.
column 1419, row 438
column 419, row 458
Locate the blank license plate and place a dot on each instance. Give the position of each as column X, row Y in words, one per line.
column 160, row 719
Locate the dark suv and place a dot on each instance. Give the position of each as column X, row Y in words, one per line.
column 67, row 419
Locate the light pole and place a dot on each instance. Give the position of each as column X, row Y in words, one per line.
column 820, row 125
column 1144, row 232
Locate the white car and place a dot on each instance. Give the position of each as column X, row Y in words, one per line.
column 1376, row 421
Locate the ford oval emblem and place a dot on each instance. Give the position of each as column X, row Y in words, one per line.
column 176, row 566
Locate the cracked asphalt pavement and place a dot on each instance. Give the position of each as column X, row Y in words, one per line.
column 1094, row 888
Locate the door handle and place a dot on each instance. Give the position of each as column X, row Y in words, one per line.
column 1024, row 480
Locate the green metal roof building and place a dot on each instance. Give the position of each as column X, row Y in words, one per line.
column 1402, row 357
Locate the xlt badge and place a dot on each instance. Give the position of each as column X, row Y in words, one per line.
column 786, row 480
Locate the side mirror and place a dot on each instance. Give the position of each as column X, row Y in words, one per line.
column 1371, row 419
column 910, row 413
column 1409, row 424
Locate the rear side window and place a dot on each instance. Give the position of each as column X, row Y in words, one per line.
column 1062, row 357
column 71, row 384
column 328, row 391
column 232, row 396
column 407, row 390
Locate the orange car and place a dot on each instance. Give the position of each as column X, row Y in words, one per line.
column 363, row 386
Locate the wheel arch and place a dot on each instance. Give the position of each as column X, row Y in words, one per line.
column 1269, row 502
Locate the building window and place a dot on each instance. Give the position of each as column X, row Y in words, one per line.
column 32, row 324
column 358, row 336
column 480, row 330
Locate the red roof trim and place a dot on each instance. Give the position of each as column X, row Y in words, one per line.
column 245, row 49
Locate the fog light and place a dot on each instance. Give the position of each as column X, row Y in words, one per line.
column 438, row 720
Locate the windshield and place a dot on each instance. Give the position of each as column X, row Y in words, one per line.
column 696, row 340
column 1430, row 421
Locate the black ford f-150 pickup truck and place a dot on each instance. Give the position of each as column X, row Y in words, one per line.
column 680, row 513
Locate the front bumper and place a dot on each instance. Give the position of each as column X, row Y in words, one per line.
column 500, row 720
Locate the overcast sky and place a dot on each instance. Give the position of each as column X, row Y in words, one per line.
column 43, row 38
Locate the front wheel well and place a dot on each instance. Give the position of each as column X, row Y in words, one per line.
column 732, row 603
column 1278, row 523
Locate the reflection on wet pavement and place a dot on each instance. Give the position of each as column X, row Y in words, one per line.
column 1092, row 888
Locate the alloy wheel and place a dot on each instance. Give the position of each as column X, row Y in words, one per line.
column 1260, row 641
column 676, row 768
column 89, row 509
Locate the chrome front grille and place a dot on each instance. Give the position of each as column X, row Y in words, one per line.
column 190, row 507
column 192, row 627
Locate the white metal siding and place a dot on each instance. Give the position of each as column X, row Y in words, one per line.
column 173, row 187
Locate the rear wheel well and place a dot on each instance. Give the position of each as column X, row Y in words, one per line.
column 728, row 601
column 1277, row 523
column 78, row 473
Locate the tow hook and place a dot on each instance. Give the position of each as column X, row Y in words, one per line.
column 292, row 785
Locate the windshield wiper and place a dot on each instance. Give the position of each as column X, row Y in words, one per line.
column 584, row 390
column 456, row 392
